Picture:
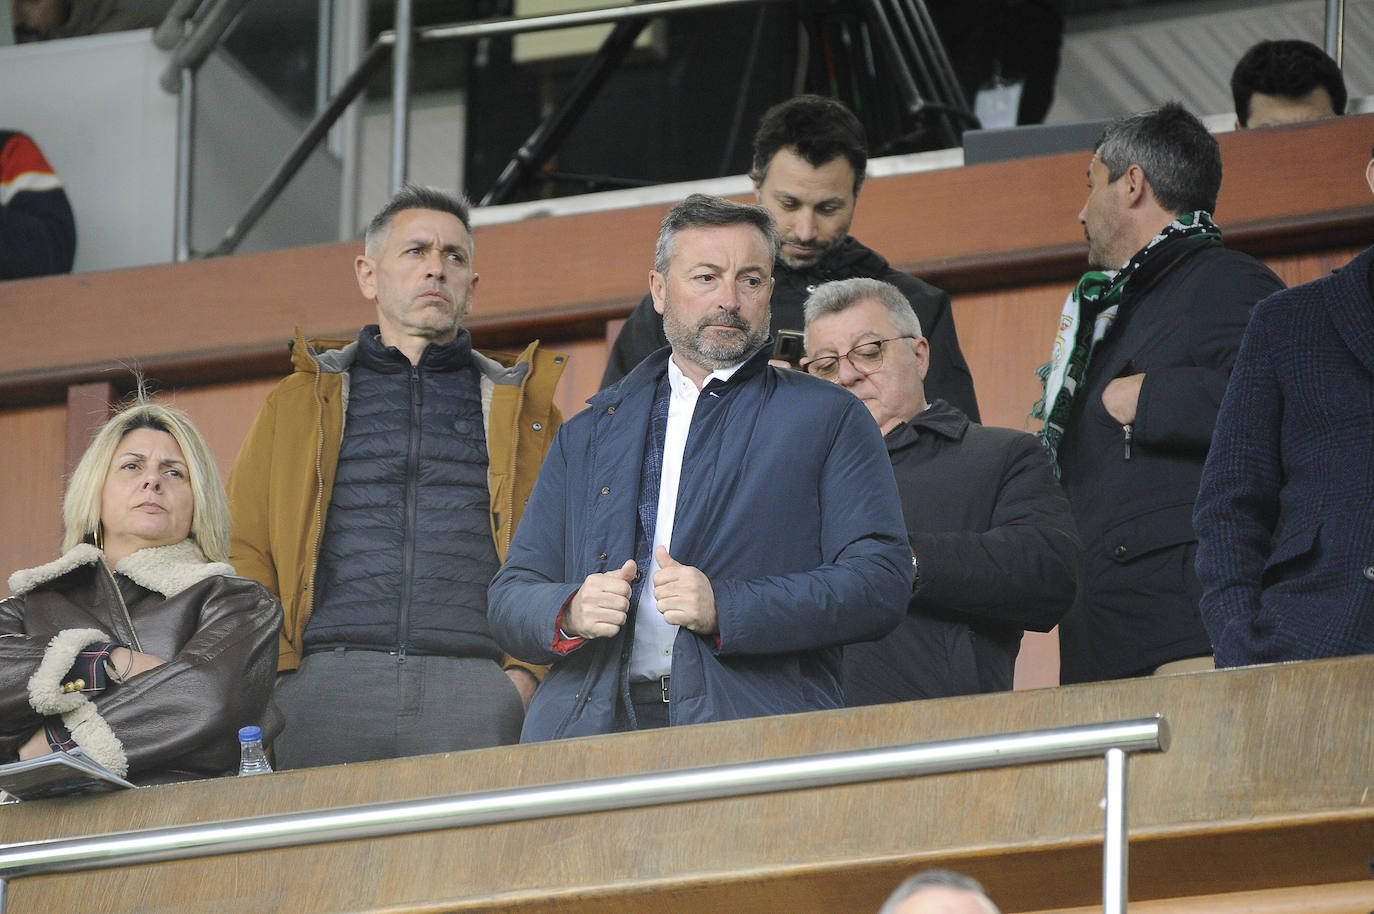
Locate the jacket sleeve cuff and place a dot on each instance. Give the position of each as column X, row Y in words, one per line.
column 81, row 719
column 46, row 693
column 59, row 737
column 90, row 731
column 88, row 673
column 563, row 643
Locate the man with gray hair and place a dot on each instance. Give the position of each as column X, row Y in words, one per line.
column 993, row 549
column 375, row 497
column 1144, row 349
column 703, row 539
column 939, row 892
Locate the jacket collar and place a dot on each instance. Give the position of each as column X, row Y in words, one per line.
column 323, row 355
column 336, row 356
column 939, row 418
column 1171, row 254
column 850, row 258
column 1352, row 306
column 166, row 569
column 376, row 355
column 655, row 366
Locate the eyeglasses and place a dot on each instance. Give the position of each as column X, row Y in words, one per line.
column 865, row 357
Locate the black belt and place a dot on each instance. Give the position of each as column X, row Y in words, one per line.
column 650, row 691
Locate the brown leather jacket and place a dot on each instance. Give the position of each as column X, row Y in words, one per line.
column 179, row 721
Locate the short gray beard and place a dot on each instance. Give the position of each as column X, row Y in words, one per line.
column 692, row 344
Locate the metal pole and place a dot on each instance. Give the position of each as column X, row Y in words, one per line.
column 67, row 855
column 186, row 137
column 350, row 47
column 1335, row 32
column 400, row 94
column 324, row 27
column 488, row 28
column 202, row 40
column 1114, row 859
column 172, row 29
column 314, row 132
column 550, row 133
column 384, row 42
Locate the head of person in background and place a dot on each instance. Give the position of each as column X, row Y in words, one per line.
column 1148, row 169
column 45, row 20
column 863, row 335
column 38, row 20
column 810, row 154
column 1286, row 82
column 139, row 644
column 939, row 892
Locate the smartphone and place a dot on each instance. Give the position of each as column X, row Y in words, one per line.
column 789, row 347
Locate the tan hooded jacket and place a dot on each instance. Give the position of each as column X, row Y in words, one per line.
column 281, row 484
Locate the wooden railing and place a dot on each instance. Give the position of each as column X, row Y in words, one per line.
column 1263, row 798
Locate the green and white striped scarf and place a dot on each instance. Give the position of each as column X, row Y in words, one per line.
column 1088, row 314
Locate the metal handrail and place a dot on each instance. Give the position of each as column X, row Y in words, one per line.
column 462, row 31
column 172, row 28
column 1112, row 740
column 489, row 28
column 192, row 50
column 1335, row 32
column 404, row 34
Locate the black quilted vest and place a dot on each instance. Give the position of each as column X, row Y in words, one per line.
column 407, row 551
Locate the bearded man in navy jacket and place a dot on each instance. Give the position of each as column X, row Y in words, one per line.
column 703, row 539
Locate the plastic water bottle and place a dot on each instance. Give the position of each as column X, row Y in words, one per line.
column 252, row 758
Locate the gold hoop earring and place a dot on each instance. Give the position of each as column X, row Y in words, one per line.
column 100, row 536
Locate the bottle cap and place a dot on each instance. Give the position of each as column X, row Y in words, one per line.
column 248, row 734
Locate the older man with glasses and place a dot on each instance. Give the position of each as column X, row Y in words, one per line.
column 992, row 538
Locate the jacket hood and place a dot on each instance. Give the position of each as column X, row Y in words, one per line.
column 167, row 570
column 849, row 259
column 329, row 355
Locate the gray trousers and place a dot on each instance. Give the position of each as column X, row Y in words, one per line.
column 355, row 706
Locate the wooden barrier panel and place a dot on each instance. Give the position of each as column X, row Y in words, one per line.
column 1267, row 787
column 1286, row 190
column 1003, row 238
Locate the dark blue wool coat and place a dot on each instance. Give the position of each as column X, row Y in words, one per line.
column 787, row 504
column 1285, row 515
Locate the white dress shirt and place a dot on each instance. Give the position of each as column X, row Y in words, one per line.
column 652, row 654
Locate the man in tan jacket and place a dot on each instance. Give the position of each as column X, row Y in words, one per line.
column 375, row 496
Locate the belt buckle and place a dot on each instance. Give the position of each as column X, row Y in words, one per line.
column 663, row 684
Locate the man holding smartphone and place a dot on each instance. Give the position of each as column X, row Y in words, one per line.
column 810, row 154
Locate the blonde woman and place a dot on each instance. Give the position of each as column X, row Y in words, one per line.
column 139, row 644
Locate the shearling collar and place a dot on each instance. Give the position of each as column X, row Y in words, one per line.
column 166, row 569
